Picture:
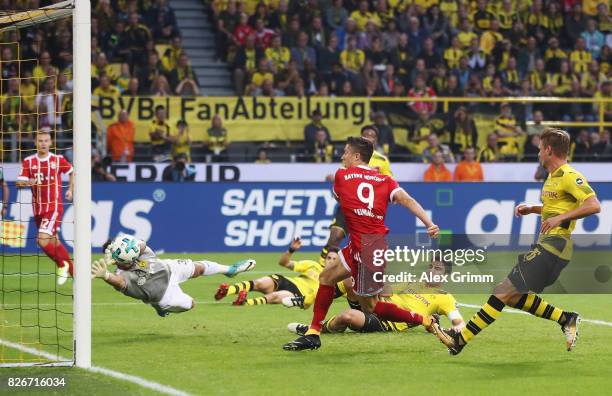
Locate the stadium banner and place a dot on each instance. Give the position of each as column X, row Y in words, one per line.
column 245, row 118
column 299, row 172
column 235, row 217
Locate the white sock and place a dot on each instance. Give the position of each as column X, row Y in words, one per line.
column 212, row 268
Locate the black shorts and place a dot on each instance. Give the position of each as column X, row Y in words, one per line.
column 283, row 283
column 339, row 220
column 536, row 270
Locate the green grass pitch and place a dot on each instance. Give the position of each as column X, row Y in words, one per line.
column 221, row 349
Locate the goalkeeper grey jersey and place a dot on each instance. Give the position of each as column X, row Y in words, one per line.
column 148, row 279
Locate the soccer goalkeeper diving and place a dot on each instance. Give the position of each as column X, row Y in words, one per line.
column 142, row 275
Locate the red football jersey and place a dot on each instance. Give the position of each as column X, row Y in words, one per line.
column 47, row 175
column 364, row 195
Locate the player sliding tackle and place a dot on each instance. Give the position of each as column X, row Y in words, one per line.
column 422, row 298
column 291, row 291
column 363, row 194
column 566, row 196
column 144, row 276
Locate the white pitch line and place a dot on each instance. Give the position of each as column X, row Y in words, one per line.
column 516, row 311
column 168, row 390
column 52, row 274
column 105, row 304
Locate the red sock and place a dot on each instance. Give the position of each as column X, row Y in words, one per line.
column 325, row 296
column 393, row 313
column 59, row 254
column 64, row 256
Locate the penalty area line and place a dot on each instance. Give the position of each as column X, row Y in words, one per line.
column 516, row 311
column 165, row 389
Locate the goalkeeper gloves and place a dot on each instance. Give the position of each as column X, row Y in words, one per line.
column 99, row 269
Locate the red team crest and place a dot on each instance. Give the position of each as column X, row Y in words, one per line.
column 46, row 175
column 364, row 195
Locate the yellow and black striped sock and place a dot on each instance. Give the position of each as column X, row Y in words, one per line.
column 324, row 252
column 256, row 301
column 533, row 304
column 326, row 324
column 483, row 318
column 237, row 287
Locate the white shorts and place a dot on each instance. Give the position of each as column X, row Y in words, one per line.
column 175, row 299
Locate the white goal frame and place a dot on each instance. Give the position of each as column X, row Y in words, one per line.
column 81, row 56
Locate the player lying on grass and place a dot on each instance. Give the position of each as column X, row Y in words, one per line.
column 363, row 195
column 142, row 275
column 566, row 197
column 422, row 298
column 295, row 290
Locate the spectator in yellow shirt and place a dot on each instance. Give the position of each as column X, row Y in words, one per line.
column 262, row 157
column 363, row 15
column 554, row 55
column 101, row 66
column 562, row 81
column 453, row 54
column 277, row 55
column 482, row 17
column 159, row 133
column 450, row 9
column 262, row 74
column 491, row 152
column 508, row 132
column 44, row 68
column 466, row 34
column 106, row 89
column 490, row 37
column 181, row 141
column 590, row 6
column 352, row 58
column 217, row 140
column 580, row 57
column 171, row 56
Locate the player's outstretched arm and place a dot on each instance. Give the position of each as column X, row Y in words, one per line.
column 590, row 206
column 404, row 199
column 285, row 258
column 99, row 269
column 524, row 209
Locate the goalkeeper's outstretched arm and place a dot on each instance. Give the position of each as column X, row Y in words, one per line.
column 99, row 269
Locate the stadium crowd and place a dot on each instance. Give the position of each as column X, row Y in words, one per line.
column 388, row 48
column 431, row 48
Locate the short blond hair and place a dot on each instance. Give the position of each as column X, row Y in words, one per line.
column 558, row 140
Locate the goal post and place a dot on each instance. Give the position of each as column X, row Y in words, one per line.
column 32, row 309
column 81, row 28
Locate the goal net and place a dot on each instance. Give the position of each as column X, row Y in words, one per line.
column 37, row 321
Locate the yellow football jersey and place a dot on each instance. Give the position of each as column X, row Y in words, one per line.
column 380, row 163
column 308, row 280
column 565, row 189
column 423, row 300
